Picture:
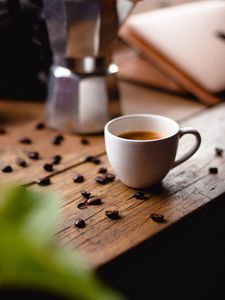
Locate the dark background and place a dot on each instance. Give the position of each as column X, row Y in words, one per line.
column 25, row 54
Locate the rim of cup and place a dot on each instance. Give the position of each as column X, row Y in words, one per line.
column 130, row 116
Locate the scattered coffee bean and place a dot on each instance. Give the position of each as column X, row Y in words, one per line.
column 219, row 151
column 7, row 169
column 48, row 167
column 102, row 170
column 89, row 158
column 84, row 141
column 213, row 170
column 2, row 131
column 33, row 155
column 93, row 159
column 112, row 214
column 105, row 178
column 56, row 159
column 25, row 140
column 40, row 125
column 86, row 194
column 94, row 201
column 44, row 181
column 57, row 140
column 82, row 205
column 80, row 223
column 78, row 178
column 21, row 162
column 159, row 218
column 139, row 196
column 96, row 161
column 101, row 180
column 110, row 177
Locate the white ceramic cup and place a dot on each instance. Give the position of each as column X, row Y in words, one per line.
column 143, row 163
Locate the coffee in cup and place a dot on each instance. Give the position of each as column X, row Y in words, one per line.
column 141, row 135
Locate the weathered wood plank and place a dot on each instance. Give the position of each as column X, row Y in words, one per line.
column 14, row 113
column 187, row 188
column 19, row 119
column 71, row 149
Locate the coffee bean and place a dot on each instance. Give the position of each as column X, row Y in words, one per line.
column 84, row 141
column 110, row 177
column 82, row 205
column 57, row 140
column 213, row 170
column 21, row 162
column 106, row 178
column 44, row 181
column 139, row 196
column 86, row 194
column 159, row 218
column 48, row 167
column 2, row 131
column 33, row 155
column 112, row 214
column 101, row 180
column 78, row 178
column 219, row 151
column 7, row 169
column 89, row 158
column 93, row 159
column 56, row 159
column 40, row 125
column 80, row 223
column 25, row 140
column 94, row 201
column 102, row 170
column 96, row 161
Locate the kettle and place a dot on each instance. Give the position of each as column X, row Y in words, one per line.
column 83, row 93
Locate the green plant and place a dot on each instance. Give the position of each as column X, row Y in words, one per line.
column 31, row 258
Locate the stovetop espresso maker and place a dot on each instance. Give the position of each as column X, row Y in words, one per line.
column 83, row 93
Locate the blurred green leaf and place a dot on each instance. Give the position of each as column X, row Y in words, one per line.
column 31, row 258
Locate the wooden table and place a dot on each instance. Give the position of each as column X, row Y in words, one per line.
column 187, row 188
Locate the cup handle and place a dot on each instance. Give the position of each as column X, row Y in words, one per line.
column 183, row 131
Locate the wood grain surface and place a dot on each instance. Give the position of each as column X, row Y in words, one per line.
column 186, row 188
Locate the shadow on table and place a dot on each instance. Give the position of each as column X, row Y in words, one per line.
column 186, row 261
